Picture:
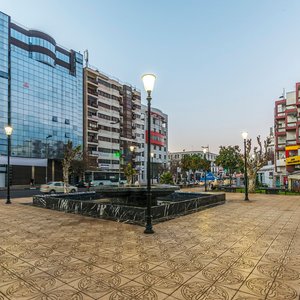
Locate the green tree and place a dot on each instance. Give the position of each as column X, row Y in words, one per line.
column 70, row 154
column 166, row 178
column 196, row 163
column 230, row 158
column 185, row 164
column 129, row 172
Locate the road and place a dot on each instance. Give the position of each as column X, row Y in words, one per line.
column 25, row 193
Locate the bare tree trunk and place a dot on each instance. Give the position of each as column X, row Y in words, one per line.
column 252, row 182
column 66, row 178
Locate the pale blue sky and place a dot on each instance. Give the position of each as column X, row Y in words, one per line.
column 220, row 65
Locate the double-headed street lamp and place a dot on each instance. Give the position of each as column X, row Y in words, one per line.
column 8, row 131
column 244, row 136
column 148, row 80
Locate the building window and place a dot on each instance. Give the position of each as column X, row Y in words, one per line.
column 154, row 147
column 159, row 155
column 67, row 135
column 54, row 119
column 67, row 121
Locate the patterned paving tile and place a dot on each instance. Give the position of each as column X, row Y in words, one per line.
column 240, row 251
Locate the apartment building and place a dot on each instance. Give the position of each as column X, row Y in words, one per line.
column 112, row 123
column 287, row 136
column 159, row 143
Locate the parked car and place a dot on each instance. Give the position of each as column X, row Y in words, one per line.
column 82, row 184
column 55, row 187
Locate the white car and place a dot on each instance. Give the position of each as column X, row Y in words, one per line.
column 55, row 187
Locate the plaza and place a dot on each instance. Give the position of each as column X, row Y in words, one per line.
column 239, row 250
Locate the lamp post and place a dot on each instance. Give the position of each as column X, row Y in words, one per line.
column 47, row 149
column 152, row 155
column 148, row 80
column 205, row 186
column 244, row 136
column 8, row 131
column 132, row 149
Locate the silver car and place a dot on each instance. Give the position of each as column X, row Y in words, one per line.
column 55, row 187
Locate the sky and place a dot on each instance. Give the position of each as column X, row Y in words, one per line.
column 220, row 64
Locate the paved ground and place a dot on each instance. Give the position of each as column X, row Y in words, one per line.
column 241, row 251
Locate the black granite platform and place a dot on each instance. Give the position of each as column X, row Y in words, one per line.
column 89, row 204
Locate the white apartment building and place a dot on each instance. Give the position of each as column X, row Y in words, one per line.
column 112, row 123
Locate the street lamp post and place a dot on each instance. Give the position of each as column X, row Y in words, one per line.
column 47, row 150
column 245, row 135
column 205, row 186
column 148, row 80
column 8, row 131
column 132, row 149
column 152, row 155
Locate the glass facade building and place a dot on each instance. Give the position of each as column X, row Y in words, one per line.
column 41, row 90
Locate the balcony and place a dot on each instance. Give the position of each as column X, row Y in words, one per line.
column 291, row 142
column 92, row 81
column 92, row 104
column 93, row 117
column 280, row 147
column 280, row 116
column 92, row 128
column 92, row 140
column 93, row 92
column 291, row 111
column 280, row 162
column 291, row 126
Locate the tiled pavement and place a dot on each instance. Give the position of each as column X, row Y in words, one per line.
column 240, row 251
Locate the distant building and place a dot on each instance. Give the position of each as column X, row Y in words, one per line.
column 177, row 156
column 159, row 143
column 42, row 94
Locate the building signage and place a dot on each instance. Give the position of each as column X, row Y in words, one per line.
column 293, row 160
column 104, row 166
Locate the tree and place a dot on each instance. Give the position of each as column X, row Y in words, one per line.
column 196, row 162
column 256, row 160
column 129, row 172
column 166, row 178
column 185, row 164
column 70, row 154
column 82, row 163
column 231, row 159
